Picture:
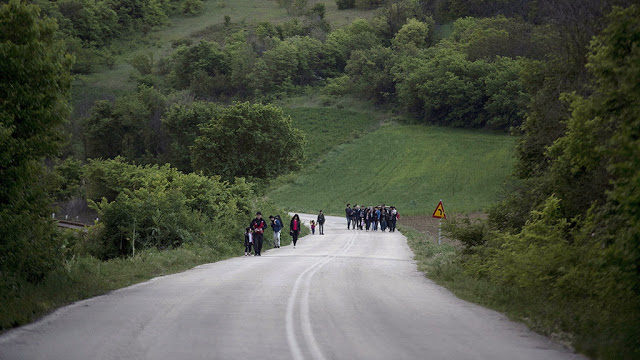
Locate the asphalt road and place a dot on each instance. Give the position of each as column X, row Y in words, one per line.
column 345, row 295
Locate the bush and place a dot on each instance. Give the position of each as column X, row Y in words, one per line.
column 246, row 140
column 159, row 207
column 345, row 4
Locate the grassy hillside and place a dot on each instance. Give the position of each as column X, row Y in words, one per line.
column 410, row 167
column 110, row 82
column 327, row 128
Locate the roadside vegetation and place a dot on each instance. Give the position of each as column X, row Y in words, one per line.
column 164, row 99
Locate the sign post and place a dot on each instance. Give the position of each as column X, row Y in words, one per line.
column 439, row 214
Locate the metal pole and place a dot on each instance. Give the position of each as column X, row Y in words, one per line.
column 439, row 231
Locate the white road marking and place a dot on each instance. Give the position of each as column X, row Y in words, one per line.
column 305, row 318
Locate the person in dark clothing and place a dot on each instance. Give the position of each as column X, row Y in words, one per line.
column 320, row 221
column 393, row 220
column 348, row 212
column 361, row 215
column 294, row 228
column 368, row 217
column 258, row 225
column 383, row 219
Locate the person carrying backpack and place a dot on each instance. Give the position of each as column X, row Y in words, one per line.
column 258, row 225
column 276, row 225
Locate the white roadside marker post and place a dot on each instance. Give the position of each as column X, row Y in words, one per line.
column 439, row 214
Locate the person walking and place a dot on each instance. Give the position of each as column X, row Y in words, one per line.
column 313, row 227
column 361, row 215
column 383, row 219
column 368, row 217
column 276, row 225
column 348, row 212
column 258, row 225
column 320, row 221
column 394, row 219
column 294, row 228
column 376, row 218
column 248, row 241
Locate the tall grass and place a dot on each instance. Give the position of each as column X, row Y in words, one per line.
column 410, row 167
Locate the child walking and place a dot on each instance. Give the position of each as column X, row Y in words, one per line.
column 248, row 241
column 313, row 227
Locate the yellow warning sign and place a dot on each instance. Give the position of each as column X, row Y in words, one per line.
column 439, row 213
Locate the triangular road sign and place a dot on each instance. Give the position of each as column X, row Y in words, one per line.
column 439, row 213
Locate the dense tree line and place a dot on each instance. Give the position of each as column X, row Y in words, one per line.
column 34, row 89
column 567, row 230
column 88, row 27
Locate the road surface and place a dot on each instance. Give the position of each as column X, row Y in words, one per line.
column 345, row 295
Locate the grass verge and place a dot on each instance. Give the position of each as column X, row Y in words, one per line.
column 581, row 325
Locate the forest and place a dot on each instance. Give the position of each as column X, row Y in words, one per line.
column 167, row 165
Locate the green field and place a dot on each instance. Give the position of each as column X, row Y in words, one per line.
column 410, row 167
column 326, row 128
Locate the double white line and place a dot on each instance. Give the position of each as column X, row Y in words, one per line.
column 305, row 319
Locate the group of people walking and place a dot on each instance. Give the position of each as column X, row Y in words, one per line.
column 372, row 217
column 254, row 234
column 362, row 218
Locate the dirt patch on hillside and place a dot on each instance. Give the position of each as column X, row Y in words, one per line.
column 429, row 225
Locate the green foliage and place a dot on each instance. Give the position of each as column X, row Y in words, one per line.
column 34, row 90
column 489, row 38
column 130, row 127
column 445, row 88
column 579, row 248
column 67, row 177
column 182, row 126
column 470, row 233
column 246, row 140
column 143, row 63
column 360, row 35
column 370, row 73
column 414, row 35
column 151, row 206
column 192, row 7
column 345, row 4
column 203, row 60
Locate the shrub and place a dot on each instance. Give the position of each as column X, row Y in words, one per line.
column 345, row 4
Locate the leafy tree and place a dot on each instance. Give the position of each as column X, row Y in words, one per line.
column 182, row 126
column 394, row 14
column 342, row 42
column 205, row 58
column 247, row 140
column 371, row 73
column 489, row 38
column 414, row 35
column 192, row 7
column 34, row 88
column 345, row 4
column 130, row 127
